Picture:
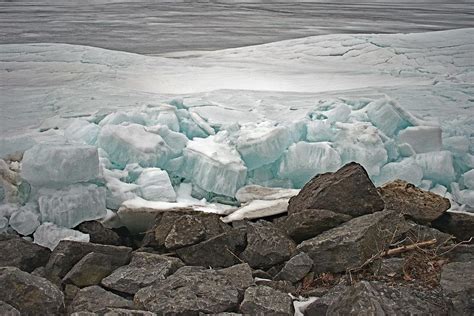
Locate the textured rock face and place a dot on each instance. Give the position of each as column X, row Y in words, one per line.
column 375, row 298
column 347, row 191
column 263, row 300
column 352, row 243
column 7, row 309
column 94, row 298
column 29, row 294
column 190, row 291
column 266, row 246
column 240, row 275
column 144, row 269
column 457, row 281
column 309, row 223
column 458, row 224
column 296, row 268
column 99, row 234
column 68, row 253
column 421, row 206
column 25, row 255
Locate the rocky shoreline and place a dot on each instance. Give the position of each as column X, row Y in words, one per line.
column 344, row 247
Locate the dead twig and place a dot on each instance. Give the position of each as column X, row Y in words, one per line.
column 413, row 246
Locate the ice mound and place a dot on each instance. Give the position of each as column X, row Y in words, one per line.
column 81, row 131
column 49, row 235
column 57, row 165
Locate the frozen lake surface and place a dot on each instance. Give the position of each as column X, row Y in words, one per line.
column 155, row 27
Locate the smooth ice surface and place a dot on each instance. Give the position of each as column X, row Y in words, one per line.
column 24, row 221
column 49, row 235
column 258, row 209
column 12, row 146
column 82, row 131
column 422, row 139
column 155, row 185
column 406, row 169
column 72, row 205
column 249, row 193
column 56, row 165
column 468, row 179
column 437, row 166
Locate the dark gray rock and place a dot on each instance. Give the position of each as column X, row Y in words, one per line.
column 266, row 246
column 144, row 269
column 419, row 233
column 91, row 269
column 8, row 310
column 420, row 205
column 99, row 234
column 68, row 253
column 186, row 231
column 376, row 298
column 190, row 291
column 261, row 274
column 239, row 275
column 25, row 255
column 460, row 225
column 263, row 300
column 392, row 267
column 29, row 294
column 457, row 281
column 322, row 304
column 296, row 268
column 217, row 252
column 70, row 291
column 306, row 224
column 460, row 253
column 347, row 191
column 281, row 286
column 94, row 298
column 352, row 243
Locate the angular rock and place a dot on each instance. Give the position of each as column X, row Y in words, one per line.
column 144, row 269
column 461, row 253
column 29, row 294
column 296, row 268
column 321, row 305
column 281, row 286
column 68, row 253
column 388, row 267
column 347, row 191
column 425, row 233
column 239, row 275
column 420, row 205
column 217, row 252
column 7, row 309
column 266, row 246
column 263, row 300
column 99, row 234
column 125, row 312
column 91, row 269
column 457, row 281
column 376, row 298
column 309, row 223
column 458, row 224
column 186, row 231
column 25, row 255
column 94, row 298
column 190, row 291
column 352, row 243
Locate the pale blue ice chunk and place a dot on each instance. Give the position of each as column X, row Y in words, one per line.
column 117, row 191
column 72, row 205
column 407, row 170
column 392, row 149
column 2, row 193
column 133, row 144
column 320, row 131
column 155, row 185
column 261, row 144
column 467, row 197
column 162, row 115
column 437, row 166
column 261, row 174
column 133, row 170
column 304, row 160
column 297, row 130
column 439, row 189
column 120, row 117
column 15, row 145
column 385, row 116
column 188, row 126
column 214, row 165
column 175, row 141
column 3, row 224
column 57, row 165
column 468, row 179
column 24, row 221
column 458, row 145
column 406, row 150
column 7, row 209
column 426, row 185
column 422, row 139
column 81, row 131
column 340, row 113
column 49, row 235
column 174, row 165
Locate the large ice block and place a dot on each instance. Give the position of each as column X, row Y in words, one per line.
column 320, row 131
column 407, row 170
column 15, row 145
column 176, row 141
column 155, row 185
column 118, row 191
column 49, row 235
column 81, row 131
column 189, row 126
column 24, row 221
column 304, row 160
column 57, row 165
column 164, row 115
column 422, row 139
column 72, row 205
column 132, row 143
column 437, row 166
column 468, row 179
column 214, row 165
column 385, row 116
column 120, row 117
column 261, row 144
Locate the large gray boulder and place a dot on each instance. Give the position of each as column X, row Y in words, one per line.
column 144, row 269
column 458, row 224
column 457, row 281
column 7, row 309
column 264, row 300
column 296, row 268
column 306, row 224
column 25, row 255
column 94, row 298
column 29, row 294
column 190, row 291
column 420, row 205
column 266, row 245
column 347, row 191
column 352, row 243
column 99, row 234
column 239, row 275
column 69, row 252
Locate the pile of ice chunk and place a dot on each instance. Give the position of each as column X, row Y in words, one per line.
column 153, row 153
